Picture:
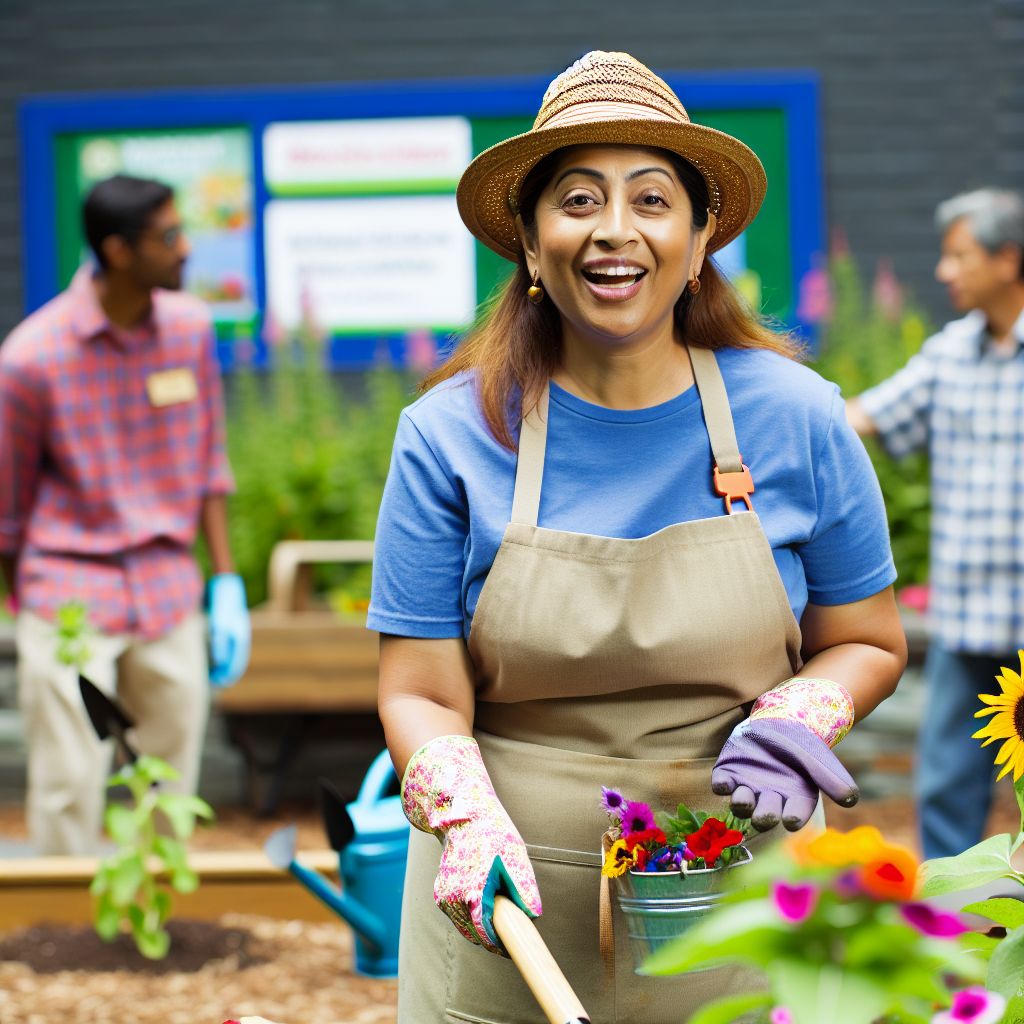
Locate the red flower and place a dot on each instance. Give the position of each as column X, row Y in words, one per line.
column 648, row 835
column 711, row 839
column 642, row 857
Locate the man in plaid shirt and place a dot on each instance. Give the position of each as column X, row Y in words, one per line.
column 111, row 456
column 962, row 398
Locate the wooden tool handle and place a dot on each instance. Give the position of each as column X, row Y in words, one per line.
column 536, row 964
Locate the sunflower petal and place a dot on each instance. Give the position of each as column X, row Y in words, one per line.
column 999, row 699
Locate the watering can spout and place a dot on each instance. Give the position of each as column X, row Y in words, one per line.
column 280, row 848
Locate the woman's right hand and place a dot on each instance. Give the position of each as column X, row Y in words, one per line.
column 446, row 790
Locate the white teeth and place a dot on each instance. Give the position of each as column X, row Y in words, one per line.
column 617, row 271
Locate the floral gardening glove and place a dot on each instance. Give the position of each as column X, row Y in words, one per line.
column 775, row 763
column 446, row 791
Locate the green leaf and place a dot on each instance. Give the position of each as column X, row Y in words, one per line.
column 1006, row 968
column 162, row 904
column 1007, row 912
column 179, row 813
column 688, row 820
column 185, row 880
column 986, row 862
column 126, row 878
column 816, row 993
column 171, row 852
column 749, row 932
column 154, row 944
column 122, row 824
column 107, row 918
column 729, row 1008
column 875, row 944
column 1014, row 1012
column 155, row 769
column 102, row 879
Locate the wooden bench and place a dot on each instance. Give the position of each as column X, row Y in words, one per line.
column 307, row 662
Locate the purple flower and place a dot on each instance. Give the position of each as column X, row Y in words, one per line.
column 637, row 817
column 936, row 923
column 668, row 858
column 612, row 801
column 795, row 903
column 974, row 1005
column 781, row 1015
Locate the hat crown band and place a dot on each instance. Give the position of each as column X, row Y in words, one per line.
column 606, row 110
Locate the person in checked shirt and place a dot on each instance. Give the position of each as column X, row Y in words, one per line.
column 962, row 398
column 111, row 456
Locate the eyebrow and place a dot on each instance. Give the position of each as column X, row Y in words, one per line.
column 597, row 175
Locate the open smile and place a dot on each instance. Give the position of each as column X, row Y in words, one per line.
column 613, row 282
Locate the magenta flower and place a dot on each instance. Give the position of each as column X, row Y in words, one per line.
column 939, row 924
column 975, row 1005
column 780, row 1015
column 612, row 801
column 795, row 903
column 637, row 817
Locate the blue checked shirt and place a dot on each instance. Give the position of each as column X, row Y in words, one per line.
column 962, row 399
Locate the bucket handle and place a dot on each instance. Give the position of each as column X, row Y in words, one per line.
column 378, row 779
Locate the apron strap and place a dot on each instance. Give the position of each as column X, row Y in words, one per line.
column 732, row 479
column 533, row 439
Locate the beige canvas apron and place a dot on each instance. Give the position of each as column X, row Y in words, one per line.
column 600, row 661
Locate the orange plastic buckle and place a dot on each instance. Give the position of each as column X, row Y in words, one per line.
column 735, row 487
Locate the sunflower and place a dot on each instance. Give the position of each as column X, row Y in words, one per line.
column 1007, row 723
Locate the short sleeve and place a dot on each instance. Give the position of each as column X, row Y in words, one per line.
column 900, row 407
column 420, row 544
column 848, row 557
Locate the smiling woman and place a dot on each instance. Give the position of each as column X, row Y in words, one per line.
column 562, row 602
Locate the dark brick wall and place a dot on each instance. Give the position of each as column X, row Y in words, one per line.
column 921, row 98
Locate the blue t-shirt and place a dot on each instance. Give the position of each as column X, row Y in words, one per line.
column 627, row 473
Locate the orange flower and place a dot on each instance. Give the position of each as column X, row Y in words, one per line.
column 890, row 876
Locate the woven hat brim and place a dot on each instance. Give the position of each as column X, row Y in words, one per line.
column 497, row 173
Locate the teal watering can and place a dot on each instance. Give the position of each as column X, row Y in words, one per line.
column 371, row 837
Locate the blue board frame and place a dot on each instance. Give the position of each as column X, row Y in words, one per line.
column 42, row 118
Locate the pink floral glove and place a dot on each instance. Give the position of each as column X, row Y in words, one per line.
column 446, row 791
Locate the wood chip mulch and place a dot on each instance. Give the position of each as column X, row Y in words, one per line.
column 290, row 971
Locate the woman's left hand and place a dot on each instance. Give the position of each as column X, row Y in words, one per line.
column 774, row 769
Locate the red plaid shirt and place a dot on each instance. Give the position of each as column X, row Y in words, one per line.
column 100, row 488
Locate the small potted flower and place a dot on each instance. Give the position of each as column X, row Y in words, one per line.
column 669, row 869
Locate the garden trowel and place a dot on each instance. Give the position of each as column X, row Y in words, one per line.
column 108, row 718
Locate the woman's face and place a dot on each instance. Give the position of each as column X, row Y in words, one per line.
column 613, row 243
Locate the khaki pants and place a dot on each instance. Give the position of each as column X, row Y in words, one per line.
column 162, row 684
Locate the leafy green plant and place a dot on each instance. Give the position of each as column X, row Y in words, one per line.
column 833, row 925
column 864, row 340
column 128, row 885
column 310, row 452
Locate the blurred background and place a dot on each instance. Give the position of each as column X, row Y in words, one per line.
column 315, row 147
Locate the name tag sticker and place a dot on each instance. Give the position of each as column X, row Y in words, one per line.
column 171, row 387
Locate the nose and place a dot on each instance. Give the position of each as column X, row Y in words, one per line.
column 184, row 247
column 614, row 227
column 944, row 270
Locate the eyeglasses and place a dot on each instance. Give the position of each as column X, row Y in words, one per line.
column 169, row 237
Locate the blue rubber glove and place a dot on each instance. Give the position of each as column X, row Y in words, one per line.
column 230, row 631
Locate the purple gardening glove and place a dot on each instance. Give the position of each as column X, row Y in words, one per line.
column 774, row 769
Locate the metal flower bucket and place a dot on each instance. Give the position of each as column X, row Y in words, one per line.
column 659, row 906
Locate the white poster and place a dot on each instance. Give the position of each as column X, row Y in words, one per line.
column 386, row 264
column 376, row 155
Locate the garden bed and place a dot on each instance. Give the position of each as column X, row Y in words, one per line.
column 292, row 971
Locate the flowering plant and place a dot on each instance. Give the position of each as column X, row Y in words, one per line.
column 835, row 923
column 640, row 840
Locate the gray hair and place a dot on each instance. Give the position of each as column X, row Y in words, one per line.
column 995, row 216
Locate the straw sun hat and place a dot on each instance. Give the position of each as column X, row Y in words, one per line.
column 609, row 98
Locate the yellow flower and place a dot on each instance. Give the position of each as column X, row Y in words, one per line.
column 836, row 849
column 618, row 860
column 1007, row 722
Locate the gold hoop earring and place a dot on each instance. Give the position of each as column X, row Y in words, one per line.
column 535, row 293
column 693, row 285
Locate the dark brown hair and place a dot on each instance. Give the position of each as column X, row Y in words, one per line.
column 515, row 346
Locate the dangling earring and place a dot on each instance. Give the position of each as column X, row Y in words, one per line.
column 535, row 293
column 693, row 285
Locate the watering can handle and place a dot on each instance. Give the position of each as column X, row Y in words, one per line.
column 536, row 964
column 379, row 776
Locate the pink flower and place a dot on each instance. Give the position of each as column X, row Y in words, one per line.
column 815, row 301
column 795, row 903
column 939, row 924
column 974, row 1005
column 612, row 801
column 637, row 817
column 780, row 1015
column 886, row 292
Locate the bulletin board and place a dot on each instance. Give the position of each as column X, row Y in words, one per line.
column 331, row 209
